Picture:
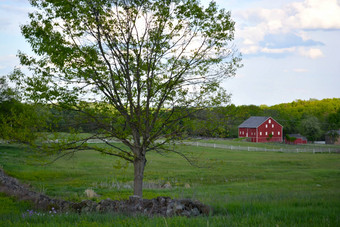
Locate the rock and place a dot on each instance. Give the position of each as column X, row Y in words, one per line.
column 204, row 209
column 187, row 185
column 161, row 200
column 186, row 213
column 195, row 212
column 166, row 185
column 89, row 206
column 106, row 205
column 169, row 211
column 90, row 193
column 179, row 206
column 135, row 198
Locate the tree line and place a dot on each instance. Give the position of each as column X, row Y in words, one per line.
column 311, row 118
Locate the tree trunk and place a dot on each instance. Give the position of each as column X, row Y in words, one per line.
column 139, row 164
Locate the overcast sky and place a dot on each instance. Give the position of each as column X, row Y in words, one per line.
column 290, row 48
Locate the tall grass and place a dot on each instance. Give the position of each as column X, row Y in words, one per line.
column 244, row 188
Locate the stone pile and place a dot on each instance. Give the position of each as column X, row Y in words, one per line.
column 160, row 206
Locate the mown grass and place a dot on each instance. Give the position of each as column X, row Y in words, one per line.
column 244, row 188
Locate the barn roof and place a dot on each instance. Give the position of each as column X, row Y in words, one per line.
column 253, row 122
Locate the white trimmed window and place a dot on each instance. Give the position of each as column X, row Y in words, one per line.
column 266, row 133
column 270, row 121
column 272, row 125
column 272, row 133
column 260, row 133
column 266, row 126
column 278, row 132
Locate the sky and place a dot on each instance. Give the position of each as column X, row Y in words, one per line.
column 290, row 48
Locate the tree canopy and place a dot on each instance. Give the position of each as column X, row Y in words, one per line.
column 136, row 68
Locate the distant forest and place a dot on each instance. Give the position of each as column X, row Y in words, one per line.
column 312, row 118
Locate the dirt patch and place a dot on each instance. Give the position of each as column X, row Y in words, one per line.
column 160, row 206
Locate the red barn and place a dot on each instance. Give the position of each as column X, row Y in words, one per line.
column 261, row 129
column 295, row 139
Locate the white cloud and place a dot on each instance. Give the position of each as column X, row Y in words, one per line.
column 248, row 42
column 309, row 14
column 314, row 14
column 312, row 53
column 252, row 34
column 304, row 35
column 300, row 70
column 256, row 49
column 278, row 50
column 250, row 49
column 293, row 18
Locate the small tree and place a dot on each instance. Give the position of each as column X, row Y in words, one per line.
column 136, row 68
column 270, row 136
column 290, row 139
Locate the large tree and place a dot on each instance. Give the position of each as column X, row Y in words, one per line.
column 135, row 68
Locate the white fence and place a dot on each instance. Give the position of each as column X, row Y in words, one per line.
column 302, row 148
column 248, row 148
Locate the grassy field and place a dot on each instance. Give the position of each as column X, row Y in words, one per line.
column 244, row 188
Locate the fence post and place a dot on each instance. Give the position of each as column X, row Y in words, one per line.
column 214, row 145
column 313, row 151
